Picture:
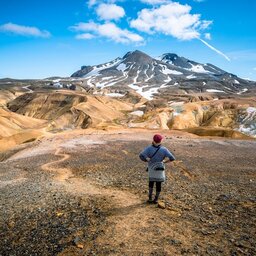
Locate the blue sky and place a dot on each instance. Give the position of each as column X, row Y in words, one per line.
column 46, row 38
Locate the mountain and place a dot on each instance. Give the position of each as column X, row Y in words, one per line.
column 152, row 77
column 190, row 65
column 135, row 91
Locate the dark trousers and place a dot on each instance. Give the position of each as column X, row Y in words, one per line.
column 158, row 185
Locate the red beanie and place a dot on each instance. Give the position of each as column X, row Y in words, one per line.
column 157, row 138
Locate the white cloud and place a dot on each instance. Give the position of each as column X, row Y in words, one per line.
column 90, row 26
column 110, row 12
column 155, row 2
column 172, row 19
column 204, row 24
column 92, row 2
column 207, row 36
column 110, row 31
column 164, row 17
column 85, row 36
column 24, row 30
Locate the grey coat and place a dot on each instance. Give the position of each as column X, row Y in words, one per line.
column 156, row 160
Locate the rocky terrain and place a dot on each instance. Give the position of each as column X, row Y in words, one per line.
column 84, row 193
column 31, row 109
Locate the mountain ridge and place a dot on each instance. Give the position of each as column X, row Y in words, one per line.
column 147, row 75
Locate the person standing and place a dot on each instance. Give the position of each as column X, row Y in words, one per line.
column 156, row 156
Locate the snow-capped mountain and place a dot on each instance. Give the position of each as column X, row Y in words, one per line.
column 169, row 73
column 134, row 68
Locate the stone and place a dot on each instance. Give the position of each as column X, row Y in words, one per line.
column 174, row 212
column 59, row 214
column 77, row 242
column 80, row 246
column 175, row 242
column 161, row 205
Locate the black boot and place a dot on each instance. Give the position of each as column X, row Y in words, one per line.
column 150, row 192
column 156, row 197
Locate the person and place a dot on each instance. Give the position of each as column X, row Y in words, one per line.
column 156, row 155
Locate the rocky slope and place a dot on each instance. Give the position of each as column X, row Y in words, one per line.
column 228, row 117
column 85, row 194
column 17, row 129
column 12, row 123
column 68, row 110
column 55, row 107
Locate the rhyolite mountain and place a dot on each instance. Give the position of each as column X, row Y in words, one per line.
column 135, row 91
column 168, row 73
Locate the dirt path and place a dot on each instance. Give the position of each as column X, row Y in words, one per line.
column 62, row 173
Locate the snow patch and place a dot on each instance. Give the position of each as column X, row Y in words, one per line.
column 97, row 69
column 27, row 88
column 58, row 85
column 176, row 103
column 137, row 113
column 244, row 90
column 146, row 94
column 248, row 122
column 121, row 67
column 177, row 107
column 165, row 85
column 149, row 94
column 90, row 83
column 214, row 90
column 190, row 76
column 117, row 95
column 115, row 81
column 168, row 71
column 198, row 69
column 136, row 78
column 97, row 93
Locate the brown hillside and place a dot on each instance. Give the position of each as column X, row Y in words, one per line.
column 13, row 123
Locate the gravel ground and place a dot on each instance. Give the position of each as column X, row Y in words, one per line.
column 211, row 211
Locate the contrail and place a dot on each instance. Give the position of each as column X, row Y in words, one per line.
column 214, row 49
